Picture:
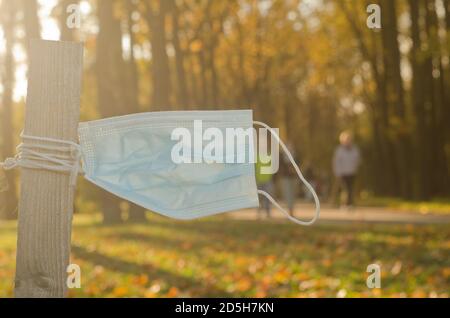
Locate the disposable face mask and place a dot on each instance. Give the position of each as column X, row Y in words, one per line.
column 133, row 157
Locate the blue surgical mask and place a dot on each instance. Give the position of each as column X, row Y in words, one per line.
column 133, row 157
column 143, row 159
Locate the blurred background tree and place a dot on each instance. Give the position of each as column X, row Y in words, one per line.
column 311, row 68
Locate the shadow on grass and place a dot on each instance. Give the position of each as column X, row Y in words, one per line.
column 324, row 250
column 367, row 242
column 118, row 265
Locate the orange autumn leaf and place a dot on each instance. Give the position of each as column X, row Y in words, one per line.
column 141, row 280
column 173, row 292
column 446, row 272
column 282, row 276
column 244, row 284
column 120, row 291
column 149, row 294
column 261, row 294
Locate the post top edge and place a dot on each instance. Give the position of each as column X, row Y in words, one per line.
column 50, row 42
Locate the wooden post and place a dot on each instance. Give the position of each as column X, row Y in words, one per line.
column 46, row 201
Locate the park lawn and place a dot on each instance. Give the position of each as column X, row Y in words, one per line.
column 226, row 257
column 437, row 206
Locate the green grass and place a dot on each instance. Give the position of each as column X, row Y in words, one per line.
column 224, row 257
column 437, row 206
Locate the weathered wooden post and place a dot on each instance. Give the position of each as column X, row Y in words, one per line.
column 46, row 201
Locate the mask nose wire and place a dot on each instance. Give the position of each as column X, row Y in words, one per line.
column 300, row 175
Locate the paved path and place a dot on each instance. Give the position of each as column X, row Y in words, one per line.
column 359, row 214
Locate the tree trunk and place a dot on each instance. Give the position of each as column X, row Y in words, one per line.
column 436, row 102
column 110, row 86
column 193, row 79
column 136, row 213
column 182, row 94
column 203, row 78
column 211, row 47
column 31, row 19
column 8, row 9
column 156, row 20
column 132, row 70
column 395, row 95
column 214, row 77
column 447, row 80
column 418, row 100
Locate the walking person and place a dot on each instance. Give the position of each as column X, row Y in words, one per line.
column 288, row 179
column 265, row 183
column 346, row 162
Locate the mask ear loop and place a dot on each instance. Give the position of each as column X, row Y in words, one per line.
column 300, row 175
